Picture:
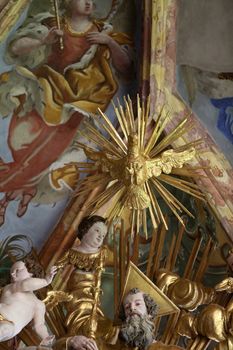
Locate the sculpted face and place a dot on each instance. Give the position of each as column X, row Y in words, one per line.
column 95, row 235
column 19, row 272
column 138, row 328
column 134, row 304
column 82, row 7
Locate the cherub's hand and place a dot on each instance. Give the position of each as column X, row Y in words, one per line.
column 53, row 35
column 98, row 38
column 51, row 273
column 79, row 342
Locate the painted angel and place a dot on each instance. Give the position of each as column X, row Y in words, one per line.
column 51, row 89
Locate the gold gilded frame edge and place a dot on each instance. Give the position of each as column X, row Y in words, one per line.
column 10, row 14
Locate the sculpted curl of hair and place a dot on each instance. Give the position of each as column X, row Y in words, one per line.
column 151, row 306
column 87, row 223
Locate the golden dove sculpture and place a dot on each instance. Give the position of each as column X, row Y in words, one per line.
column 133, row 167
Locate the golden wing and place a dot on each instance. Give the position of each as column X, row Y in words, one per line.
column 154, row 167
column 172, row 159
column 167, row 161
column 104, row 163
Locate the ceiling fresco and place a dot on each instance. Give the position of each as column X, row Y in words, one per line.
column 204, row 59
column 36, row 180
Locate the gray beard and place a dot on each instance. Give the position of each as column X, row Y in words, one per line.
column 138, row 331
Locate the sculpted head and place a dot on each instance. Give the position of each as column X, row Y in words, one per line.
column 79, row 7
column 92, row 230
column 137, row 302
column 19, row 272
column 138, row 313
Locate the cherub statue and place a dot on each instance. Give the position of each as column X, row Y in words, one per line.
column 19, row 305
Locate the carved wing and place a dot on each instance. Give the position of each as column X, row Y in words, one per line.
column 172, row 159
column 154, row 167
column 168, row 160
column 103, row 162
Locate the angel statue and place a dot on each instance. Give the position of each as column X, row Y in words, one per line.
column 50, row 89
column 81, row 277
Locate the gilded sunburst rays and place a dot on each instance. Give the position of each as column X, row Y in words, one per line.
column 131, row 167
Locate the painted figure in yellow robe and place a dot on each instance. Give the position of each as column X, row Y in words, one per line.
column 50, row 90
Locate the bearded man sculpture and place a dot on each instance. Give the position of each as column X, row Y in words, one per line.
column 137, row 314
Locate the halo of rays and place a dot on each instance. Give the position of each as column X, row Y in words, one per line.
column 108, row 164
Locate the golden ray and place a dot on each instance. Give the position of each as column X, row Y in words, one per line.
column 133, row 223
column 190, row 144
column 106, row 148
column 168, row 140
column 159, row 127
column 129, row 115
column 112, row 132
column 114, row 210
column 182, row 184
column 124, row 118
column 187, row 172
column 139, row 130
column 145, row 120
column 104, row 197
column 155, row 206
column 132, row 169
column 177, row 204
column 144, row 223
column 101, row 140
column 121, row 121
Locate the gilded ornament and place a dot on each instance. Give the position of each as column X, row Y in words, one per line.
column 131, row 167
column 186, row 294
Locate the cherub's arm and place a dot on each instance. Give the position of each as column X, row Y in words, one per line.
column 31, row 284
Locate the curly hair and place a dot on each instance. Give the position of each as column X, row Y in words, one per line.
column 87, row 223
column 151, row 306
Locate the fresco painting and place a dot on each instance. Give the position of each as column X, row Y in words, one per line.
column 46, row 95
column 204, row 65
column 47, row 91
